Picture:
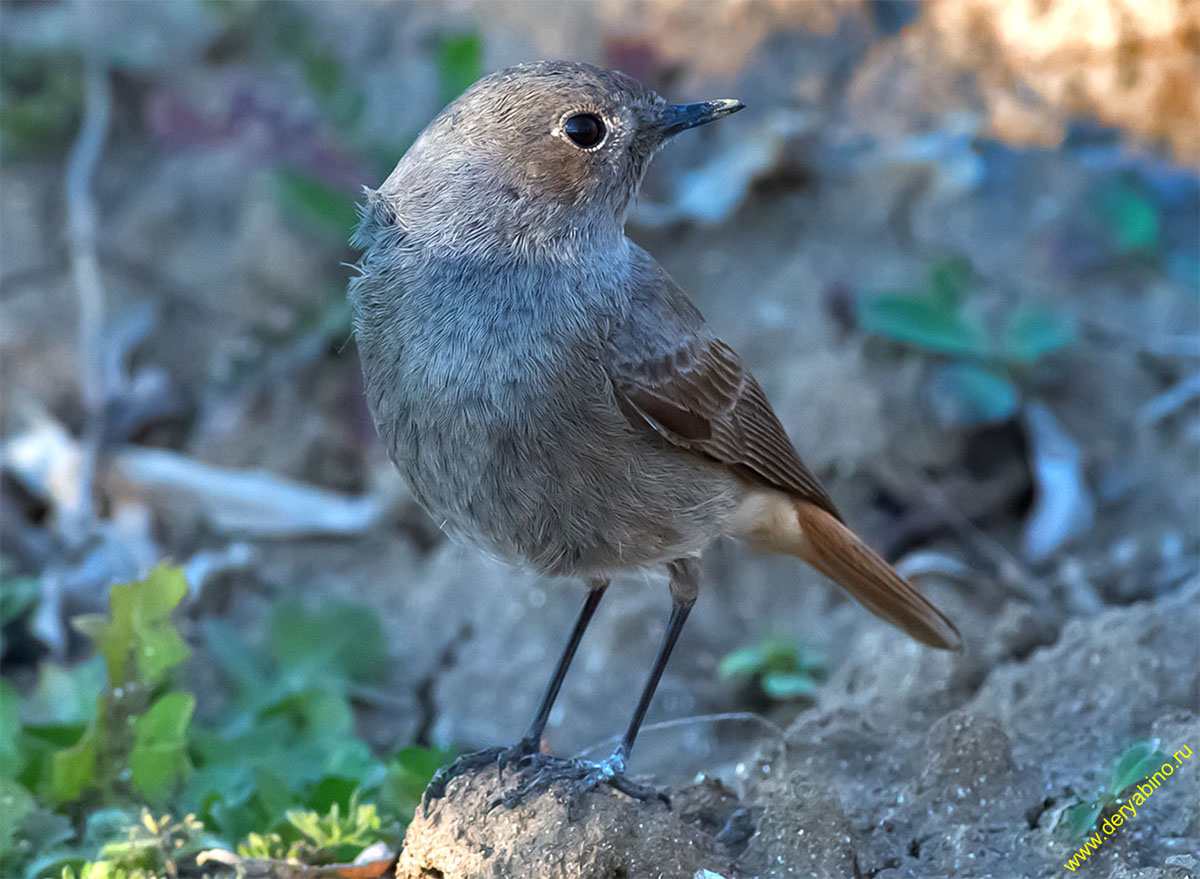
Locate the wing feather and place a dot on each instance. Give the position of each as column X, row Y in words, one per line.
column 701, row 398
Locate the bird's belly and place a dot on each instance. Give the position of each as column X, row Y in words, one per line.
column 574, row 491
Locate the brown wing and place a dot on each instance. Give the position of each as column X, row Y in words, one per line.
column 701, row 398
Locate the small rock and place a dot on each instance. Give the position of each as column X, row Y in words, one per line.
column 463, row 837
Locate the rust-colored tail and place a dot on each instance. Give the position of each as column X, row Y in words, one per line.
column 839, row 554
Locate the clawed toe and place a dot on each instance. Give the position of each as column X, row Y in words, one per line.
column 638, row 791
column 578, row 777
column 501, row 758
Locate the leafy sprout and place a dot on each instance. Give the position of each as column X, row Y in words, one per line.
column 1135, row 763
column 978, row 365
column 779, row 669
column 279, row 768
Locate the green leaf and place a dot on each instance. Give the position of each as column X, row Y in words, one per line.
column 66, row 694
column 54, row 735
column 16, row 804
column 923, row 323
column 159, row 760
column 1139, row 760
column 274, row 794
column 780, row 656
column 67, row 864
column 332, row 790
column 948, row 283
column 742, row 663
column 1077, row 820
column 246, row 666
column 10, row 731
column 139, row 646
column 787, row 685
column 315, row 716
column 73, row 770
column 1032, row 333
column 105, row 825
column 317, row 203
column 44, row 829
column 338, row 835
column 967, row 393
column 41, row 834
column 38, row 745
column 259, row 845
column 459, row 64
column 139, row 642
column 407, row 776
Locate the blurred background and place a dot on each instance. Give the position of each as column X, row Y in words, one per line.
column 957, row 243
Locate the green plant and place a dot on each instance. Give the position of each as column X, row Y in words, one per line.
column 979, row 366
column 152, row 847
column 278, row 765
column 777, row 668
column 337, row 836
column 1134, row 763
column 406, row 777
column 109, row 732
column 133, row 743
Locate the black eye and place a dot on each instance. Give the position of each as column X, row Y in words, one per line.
column 585, row 129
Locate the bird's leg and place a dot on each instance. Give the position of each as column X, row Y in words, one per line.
column 530, row 743
column 583, row 775
column 532, row 740
column 685, row 586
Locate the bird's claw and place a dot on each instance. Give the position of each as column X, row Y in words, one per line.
column 540, row 772
column 500, row 757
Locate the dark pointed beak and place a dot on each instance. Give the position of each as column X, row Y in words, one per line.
column 679, row 117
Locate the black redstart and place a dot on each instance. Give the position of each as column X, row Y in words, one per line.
column 552, row 396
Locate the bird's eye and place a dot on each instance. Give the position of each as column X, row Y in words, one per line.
column 585, row 129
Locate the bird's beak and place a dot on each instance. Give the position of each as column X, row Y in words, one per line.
column 679, row 117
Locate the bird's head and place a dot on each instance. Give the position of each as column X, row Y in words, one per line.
column 548, row 148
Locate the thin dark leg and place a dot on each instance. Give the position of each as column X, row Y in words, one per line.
column 582, row 776
column 533, row 736
column 679, row 614
column 530, row 744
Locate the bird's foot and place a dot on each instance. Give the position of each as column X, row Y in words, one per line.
column 539, row 772
column 499, row 757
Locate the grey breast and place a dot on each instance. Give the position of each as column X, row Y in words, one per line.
column 490, row 388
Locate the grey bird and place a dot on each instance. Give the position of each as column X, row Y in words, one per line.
column 552, row 396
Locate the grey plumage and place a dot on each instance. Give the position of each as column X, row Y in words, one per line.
column 550, row 394
column 493, row 322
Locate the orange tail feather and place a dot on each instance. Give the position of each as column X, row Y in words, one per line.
column 799, row 528
column 839, row 554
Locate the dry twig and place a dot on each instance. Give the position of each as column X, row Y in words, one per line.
column 85, row 264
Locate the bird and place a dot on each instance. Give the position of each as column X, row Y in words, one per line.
column 552, row 396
